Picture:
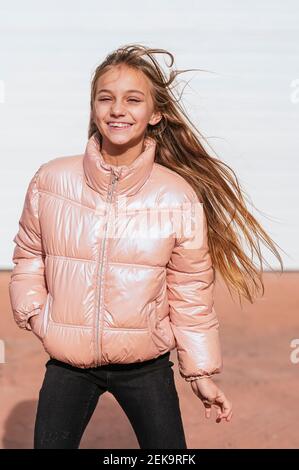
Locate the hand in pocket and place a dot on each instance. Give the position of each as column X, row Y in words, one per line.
column 35, row 324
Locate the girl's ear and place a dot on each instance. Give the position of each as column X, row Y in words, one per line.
column 156, row 117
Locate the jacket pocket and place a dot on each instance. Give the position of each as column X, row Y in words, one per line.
column 158, row 335
column 151, row 316
column 39, row 323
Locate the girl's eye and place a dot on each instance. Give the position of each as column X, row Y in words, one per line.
column 131, row 99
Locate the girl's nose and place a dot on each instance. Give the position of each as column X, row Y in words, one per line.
column 117, row 108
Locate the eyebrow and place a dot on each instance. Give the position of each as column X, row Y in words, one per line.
column 128, row 91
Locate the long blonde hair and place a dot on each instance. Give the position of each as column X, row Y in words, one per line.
column 180, row 149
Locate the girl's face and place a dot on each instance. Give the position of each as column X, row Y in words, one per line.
column 123, row 96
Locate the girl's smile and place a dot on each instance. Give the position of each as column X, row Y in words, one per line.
column 123, row 108
column 119, row 126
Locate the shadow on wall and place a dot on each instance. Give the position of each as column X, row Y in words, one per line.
column 19, row 426
column 102, row 432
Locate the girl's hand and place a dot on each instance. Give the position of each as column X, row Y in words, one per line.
column 210, row 395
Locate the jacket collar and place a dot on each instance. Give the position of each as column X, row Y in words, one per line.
column 98, row 173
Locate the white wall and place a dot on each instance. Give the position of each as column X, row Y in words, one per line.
column 248, row 106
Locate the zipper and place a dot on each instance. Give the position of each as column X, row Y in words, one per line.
column 110, row 195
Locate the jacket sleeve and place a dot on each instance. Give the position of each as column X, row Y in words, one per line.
column 27, row 286
column 190, row 285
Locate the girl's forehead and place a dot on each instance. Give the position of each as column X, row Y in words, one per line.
column 124, row 77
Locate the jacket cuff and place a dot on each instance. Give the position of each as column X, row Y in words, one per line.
column 24, row 322
column 190, row 378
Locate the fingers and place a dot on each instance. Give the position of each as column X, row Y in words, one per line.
column 208, row 407
column 223, row 410
column 222, row 404
column 227, row 418
column 226, row 411
column 208, row 412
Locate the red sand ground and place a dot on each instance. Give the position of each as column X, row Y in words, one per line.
column 258, row 377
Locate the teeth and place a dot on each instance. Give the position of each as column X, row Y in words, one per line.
column 119, row 125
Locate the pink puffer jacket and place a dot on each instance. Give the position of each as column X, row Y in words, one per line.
column 106, row 274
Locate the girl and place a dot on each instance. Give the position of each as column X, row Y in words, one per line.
column 108, row 274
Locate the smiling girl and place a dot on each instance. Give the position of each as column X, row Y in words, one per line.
column 106, row 286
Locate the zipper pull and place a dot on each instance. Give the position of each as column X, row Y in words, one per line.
column 115, row 176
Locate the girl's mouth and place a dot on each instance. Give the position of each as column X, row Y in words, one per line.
column 119, row 126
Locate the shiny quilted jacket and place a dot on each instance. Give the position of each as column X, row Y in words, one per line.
column 106, row 268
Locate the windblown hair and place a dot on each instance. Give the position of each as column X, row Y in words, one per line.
column 179, row 148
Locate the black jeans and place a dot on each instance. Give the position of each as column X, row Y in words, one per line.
column 145, row 390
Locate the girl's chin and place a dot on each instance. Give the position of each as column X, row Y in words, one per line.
column 121, row 138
